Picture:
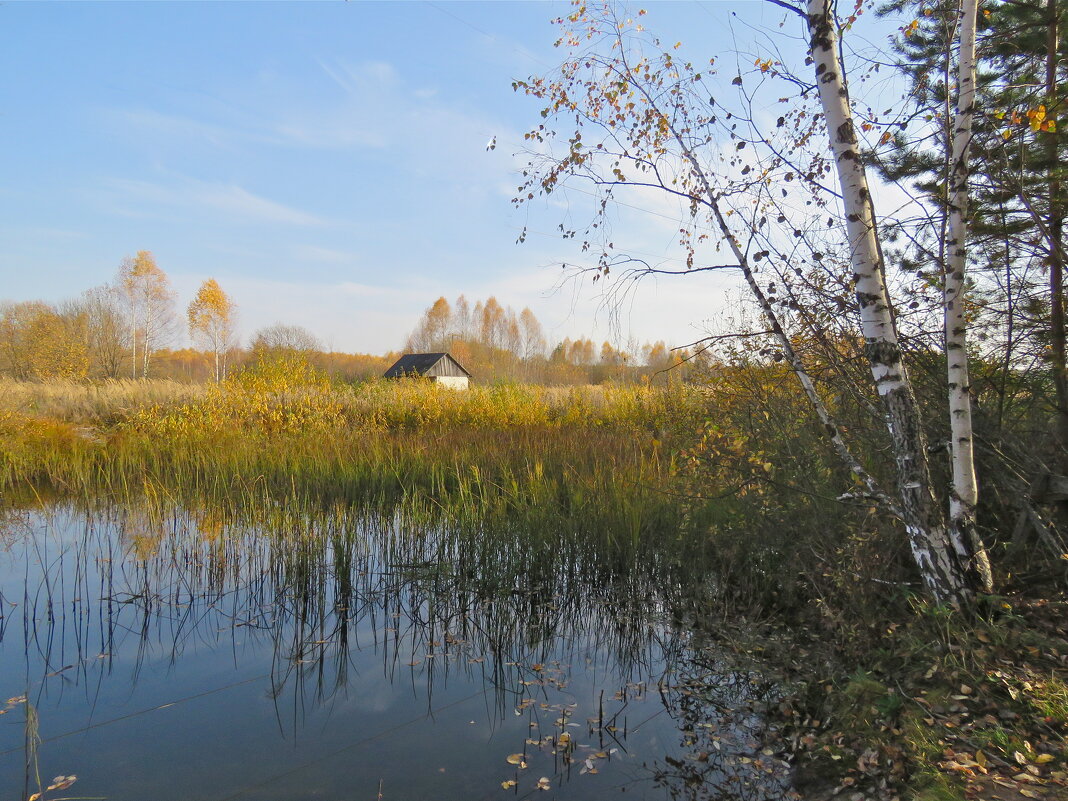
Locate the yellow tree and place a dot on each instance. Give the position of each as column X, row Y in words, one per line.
column 37, row 343
column 434, row 332
column 149, row 304
column 211, row 322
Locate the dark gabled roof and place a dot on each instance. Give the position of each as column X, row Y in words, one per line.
column 426, row 364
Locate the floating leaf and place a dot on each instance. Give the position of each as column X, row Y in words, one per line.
column 514, row 759
column 508, row 785
column 544, row 783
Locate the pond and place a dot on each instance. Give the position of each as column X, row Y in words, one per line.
column 156, row 651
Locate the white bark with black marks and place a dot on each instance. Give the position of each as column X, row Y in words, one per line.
column 941, row 566
column 964, row 492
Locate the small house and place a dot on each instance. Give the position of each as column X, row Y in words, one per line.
column 440, row 368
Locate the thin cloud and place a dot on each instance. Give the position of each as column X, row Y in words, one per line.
column 236, row 202
column 323, row 255
column 142, row 122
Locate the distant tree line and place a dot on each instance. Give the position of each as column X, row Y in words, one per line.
column 120, row 329
column 498, row 343
column 129, row 328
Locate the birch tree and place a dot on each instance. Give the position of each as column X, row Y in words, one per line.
column 212, row 318
column 655, row 125
column 149, row 302
column 964, row 491
column 948, row 560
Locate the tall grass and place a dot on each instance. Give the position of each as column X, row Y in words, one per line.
column 650, row 473
column 293, row 395
column 96, row 404
column 283, row 427
column 284, row 432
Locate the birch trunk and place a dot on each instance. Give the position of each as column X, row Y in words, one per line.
column 964, row 492
column 942, row 567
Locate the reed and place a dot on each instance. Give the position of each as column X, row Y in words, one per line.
column 662, row 474
column 282, row 426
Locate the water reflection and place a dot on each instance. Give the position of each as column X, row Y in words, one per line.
column 191, row 654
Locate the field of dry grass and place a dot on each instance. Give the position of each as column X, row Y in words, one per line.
column 282, row 398
column 92, row 403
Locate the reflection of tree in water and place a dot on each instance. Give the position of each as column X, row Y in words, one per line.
column 725, row 749
column 507, row 607
column 434, row 599
column 728, row 749
column 322, row 585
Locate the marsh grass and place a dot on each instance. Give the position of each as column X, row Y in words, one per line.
column 91, row 404
column 289, row 394
column 667, row 473
column 282, row 429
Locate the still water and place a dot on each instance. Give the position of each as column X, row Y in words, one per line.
column 157, row 652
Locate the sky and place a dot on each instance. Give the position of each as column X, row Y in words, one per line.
column 326, row 163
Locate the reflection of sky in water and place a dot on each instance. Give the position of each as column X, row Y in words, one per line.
column 177, row 657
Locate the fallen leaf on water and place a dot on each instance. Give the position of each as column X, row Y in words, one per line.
column 62, row 782
column 544, row 783
column 508, row 785
column 514, row 759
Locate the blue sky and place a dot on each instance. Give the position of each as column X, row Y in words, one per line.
column 325, row 162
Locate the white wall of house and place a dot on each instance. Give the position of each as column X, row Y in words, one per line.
column 452, row 382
